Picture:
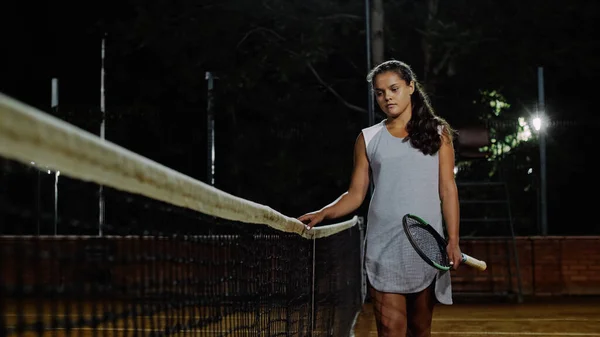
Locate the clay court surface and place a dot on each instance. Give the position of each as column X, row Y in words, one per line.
column 548, row 317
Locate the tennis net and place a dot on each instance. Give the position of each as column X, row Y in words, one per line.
column 125, row 246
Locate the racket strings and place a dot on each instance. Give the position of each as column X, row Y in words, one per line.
column 428, row 245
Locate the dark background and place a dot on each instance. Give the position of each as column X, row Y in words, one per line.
column 283, row 138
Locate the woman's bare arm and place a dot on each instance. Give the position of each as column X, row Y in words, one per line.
column 449, row 197
column 351, row 199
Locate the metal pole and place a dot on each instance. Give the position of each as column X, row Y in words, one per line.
column 38, row 206
column 371, row 116
column 102, row 136
column 543, row 128
column 102, row 96
column 54, row 107
column 210, row 115
column 56, row 174
column 54, row 98
column 370, row 102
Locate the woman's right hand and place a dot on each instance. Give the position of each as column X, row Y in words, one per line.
column 312, row 218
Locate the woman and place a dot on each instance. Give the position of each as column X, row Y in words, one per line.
column 411, row 159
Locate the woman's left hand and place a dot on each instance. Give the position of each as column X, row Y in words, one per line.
column 454, row 254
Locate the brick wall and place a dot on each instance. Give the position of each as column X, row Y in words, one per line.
column 548, row 265
column 555, row 265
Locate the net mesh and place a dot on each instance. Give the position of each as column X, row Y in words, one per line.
column 172, row 255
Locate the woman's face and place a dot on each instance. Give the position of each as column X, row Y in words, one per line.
column 392, row 93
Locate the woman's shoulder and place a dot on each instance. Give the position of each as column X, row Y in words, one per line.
column 370, row 132
column 376, row 126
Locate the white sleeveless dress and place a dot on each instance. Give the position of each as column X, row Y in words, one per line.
column 405, row 181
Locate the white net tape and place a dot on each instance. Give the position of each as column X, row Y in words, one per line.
column 30, row 135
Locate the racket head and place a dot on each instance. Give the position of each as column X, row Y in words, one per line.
column 427, row 242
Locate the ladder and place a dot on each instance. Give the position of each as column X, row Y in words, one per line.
column 486, row 215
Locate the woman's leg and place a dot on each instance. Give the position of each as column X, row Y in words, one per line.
column 390, row 313
column 420, row 312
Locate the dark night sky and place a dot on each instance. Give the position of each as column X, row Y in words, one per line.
column 61, row 40
column 50, row 41
column 57, row 40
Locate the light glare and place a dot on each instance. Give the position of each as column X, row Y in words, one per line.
column 537, row 123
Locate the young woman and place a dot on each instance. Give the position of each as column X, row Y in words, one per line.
column 410, row 157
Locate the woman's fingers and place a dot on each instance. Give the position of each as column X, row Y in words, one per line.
column 455, row 256
column 310, row 219
column 307, row 219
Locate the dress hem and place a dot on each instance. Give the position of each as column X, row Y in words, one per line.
column 370, row 283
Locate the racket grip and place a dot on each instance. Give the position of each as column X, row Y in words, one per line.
column 473, row 262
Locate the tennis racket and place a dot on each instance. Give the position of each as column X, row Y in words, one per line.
column 431, row 246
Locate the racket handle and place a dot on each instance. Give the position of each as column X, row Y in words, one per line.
column 473, row 262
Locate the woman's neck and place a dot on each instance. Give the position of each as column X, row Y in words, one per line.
column 398, row 122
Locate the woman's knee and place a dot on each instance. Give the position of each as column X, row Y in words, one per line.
column 390, row 312
column 393, row 323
